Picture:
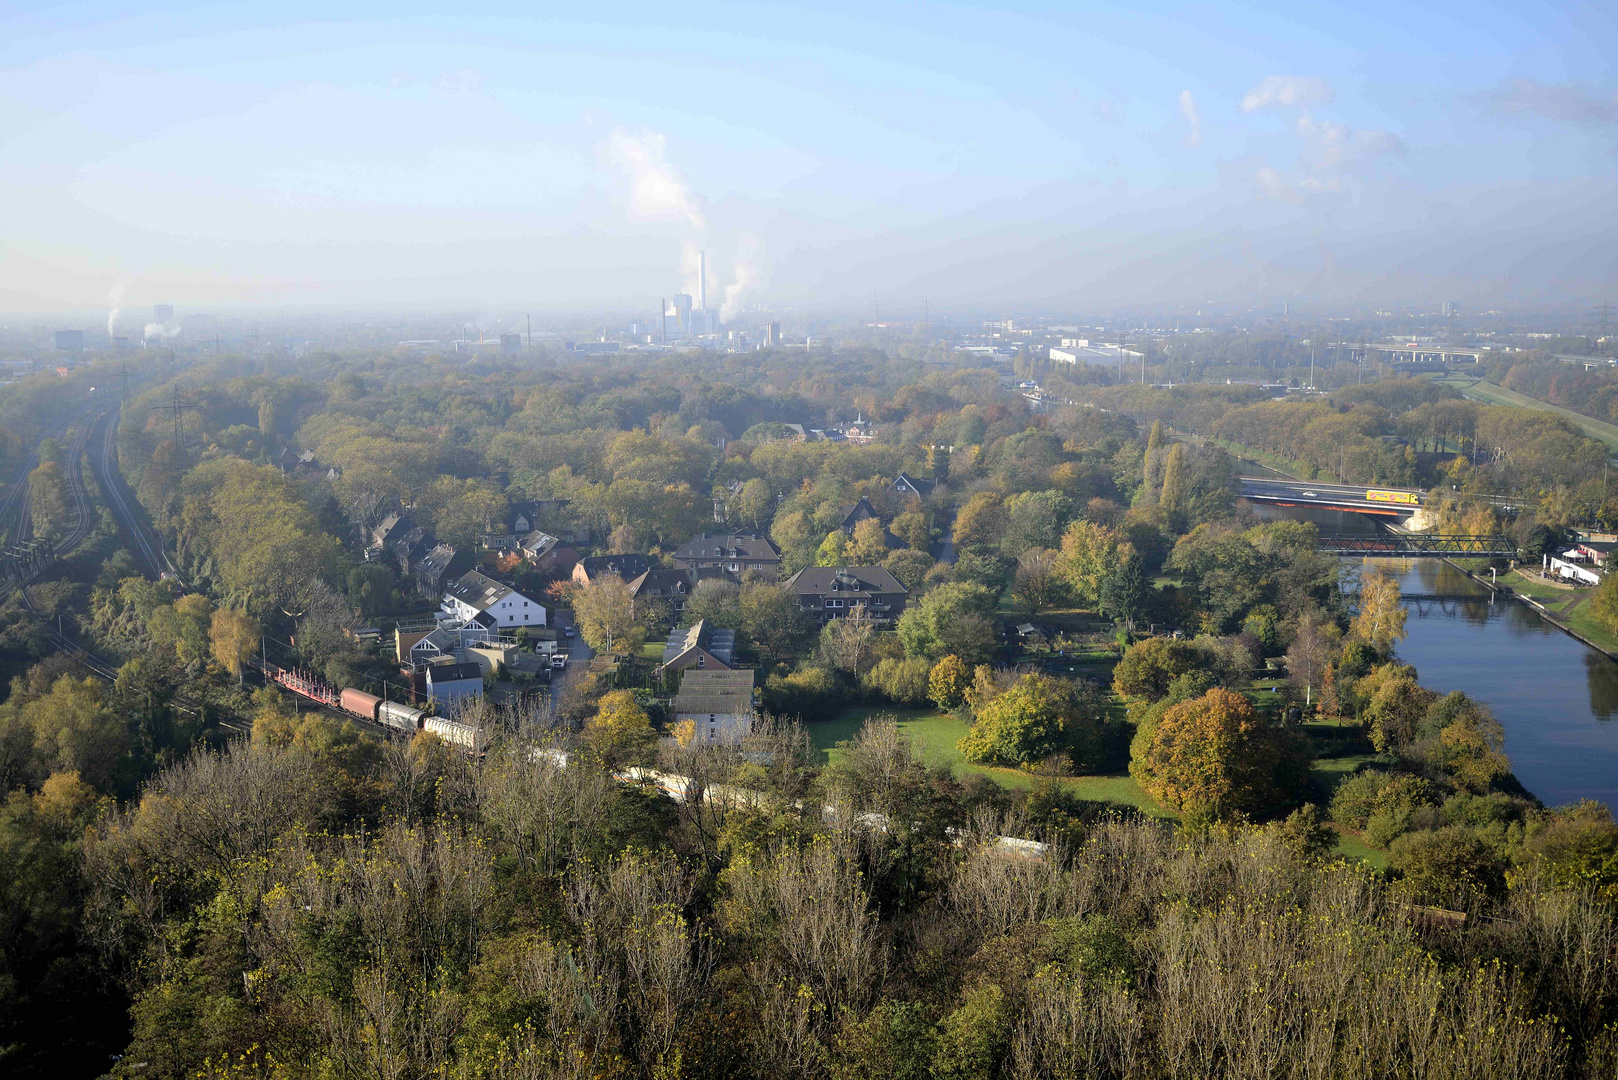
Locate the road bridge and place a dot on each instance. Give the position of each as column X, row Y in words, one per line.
column 1358, row 498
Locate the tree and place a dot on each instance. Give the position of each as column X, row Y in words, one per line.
column 948, row 681
column 1038, row 583
column 75, row 731
column 845, row 643
column 914, row 529
column 605, row 613
column 981, row 522
column 1037, row 717
column 48, row 499
column 1176, row 493
column 1604, row 601
column 619, row 730
column 1125, row 590
column 1089, row 554
column 833, row 550
column 234, row 635
column 1381, row 620
column 1308, row 658
column 1215, row 755
column 773, row 620
column 1148, row 667
column 753, row 503
column 1035, row 519
column 957, row 611
column 869, row 546
column 717, row 602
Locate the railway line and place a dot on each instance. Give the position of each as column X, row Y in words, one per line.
column 148, row 548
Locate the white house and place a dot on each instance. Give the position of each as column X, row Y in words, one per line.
column 473, row 594
column 718, row 702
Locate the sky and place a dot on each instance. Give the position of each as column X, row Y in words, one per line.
column 868, row 155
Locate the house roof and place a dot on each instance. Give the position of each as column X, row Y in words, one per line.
column 537, row 543
column 437, row 560
column 719, row 642
column 729, row 546
column 849, row 509
column 443, row 673
column 919, row 486
column 478, row 590
column 628, row 567
column 847, row 580
column 660, row 582
column 715, row 691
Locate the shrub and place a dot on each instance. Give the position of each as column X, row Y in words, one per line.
column 903, row 681
column 1446, row 866
column 1036, row 717
column 810, row 693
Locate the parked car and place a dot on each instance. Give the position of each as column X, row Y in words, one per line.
column 559, row 660
column 567, row 631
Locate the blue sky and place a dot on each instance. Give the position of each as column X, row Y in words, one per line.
column 256, row 154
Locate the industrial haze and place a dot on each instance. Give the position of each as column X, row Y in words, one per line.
column 1014, row 159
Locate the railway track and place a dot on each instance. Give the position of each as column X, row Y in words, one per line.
column 121, row 502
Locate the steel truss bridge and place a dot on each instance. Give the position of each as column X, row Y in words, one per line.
column 1420, row 546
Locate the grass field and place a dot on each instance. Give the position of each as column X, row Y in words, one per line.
column 1571, row 606
column 1491, row 394
column 934, row 734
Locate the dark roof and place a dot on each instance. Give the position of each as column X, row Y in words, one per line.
column 714, row 691
column 915, row 483
column 728, row 546
column 443, row 673
column 437, row 560
column 628, row 567
column 831, row 580
column 848, row 510
column 660, row 582
column 478, row 590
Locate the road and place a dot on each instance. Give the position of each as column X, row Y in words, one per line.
column 579, row 655
column 1325, row 495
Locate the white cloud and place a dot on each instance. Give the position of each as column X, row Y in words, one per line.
column 658, row 191
column 1287, row 90
column 1188, row 109
column 1271, row 184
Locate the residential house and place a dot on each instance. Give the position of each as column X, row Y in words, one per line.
column 627, row 567
column 440, row 566
column 413, row 547
column 830, row 592
column 737, row 553
column 856, row 512
column 451, row 683
column 911, row 485
column 699, row 646
column 473, row 594
column 718, row 702
column 672, row 587
column 390, row 530
column 548, row 554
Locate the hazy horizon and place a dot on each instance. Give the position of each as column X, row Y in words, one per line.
column 222, row 157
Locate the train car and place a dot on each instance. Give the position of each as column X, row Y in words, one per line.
column 399, row 717
column 468, row 738
column 359, row 703
column 1405, row 498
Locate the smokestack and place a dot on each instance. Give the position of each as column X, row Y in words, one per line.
column 702, row 281
column 662, row 321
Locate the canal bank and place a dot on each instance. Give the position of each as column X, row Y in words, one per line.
column 1554, row 696
column 1553, row 617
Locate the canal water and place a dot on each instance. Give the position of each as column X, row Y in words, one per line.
column 1556, row 698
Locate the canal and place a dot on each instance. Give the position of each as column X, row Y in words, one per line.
column 1556, row 698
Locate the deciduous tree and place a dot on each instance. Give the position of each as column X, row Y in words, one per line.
column 1215, row 755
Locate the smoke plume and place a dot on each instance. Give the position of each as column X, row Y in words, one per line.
column 658, row 190
column 159, row 330
column 115, row 299
column 749, row 254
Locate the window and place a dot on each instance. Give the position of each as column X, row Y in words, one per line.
column 702, row 661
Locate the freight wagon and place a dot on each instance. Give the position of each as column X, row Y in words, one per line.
column 468, row 738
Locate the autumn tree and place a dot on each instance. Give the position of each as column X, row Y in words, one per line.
column 869, row 545
column 1381, row 620
column 773, row 620
column 948, row 681
column 1215, row 756
column 1176, row 491
column 1313, row 646
column 1089, row 556
column 234, row 635
column 1037, row 717
column 1149, row 666
column 845, row 643
column 981, row 522
column 619, row 731
column 605, row 613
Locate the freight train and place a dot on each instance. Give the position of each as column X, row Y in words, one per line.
column 408, row 718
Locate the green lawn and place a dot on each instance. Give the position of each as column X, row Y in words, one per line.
column 934, row 734
column 1571, row 606
column 1491, row 394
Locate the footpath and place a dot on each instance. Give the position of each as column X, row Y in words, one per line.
column 1564, row 608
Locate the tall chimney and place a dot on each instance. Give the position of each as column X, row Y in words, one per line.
column 702, row 281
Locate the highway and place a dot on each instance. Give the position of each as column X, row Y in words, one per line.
column 1327, row 496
